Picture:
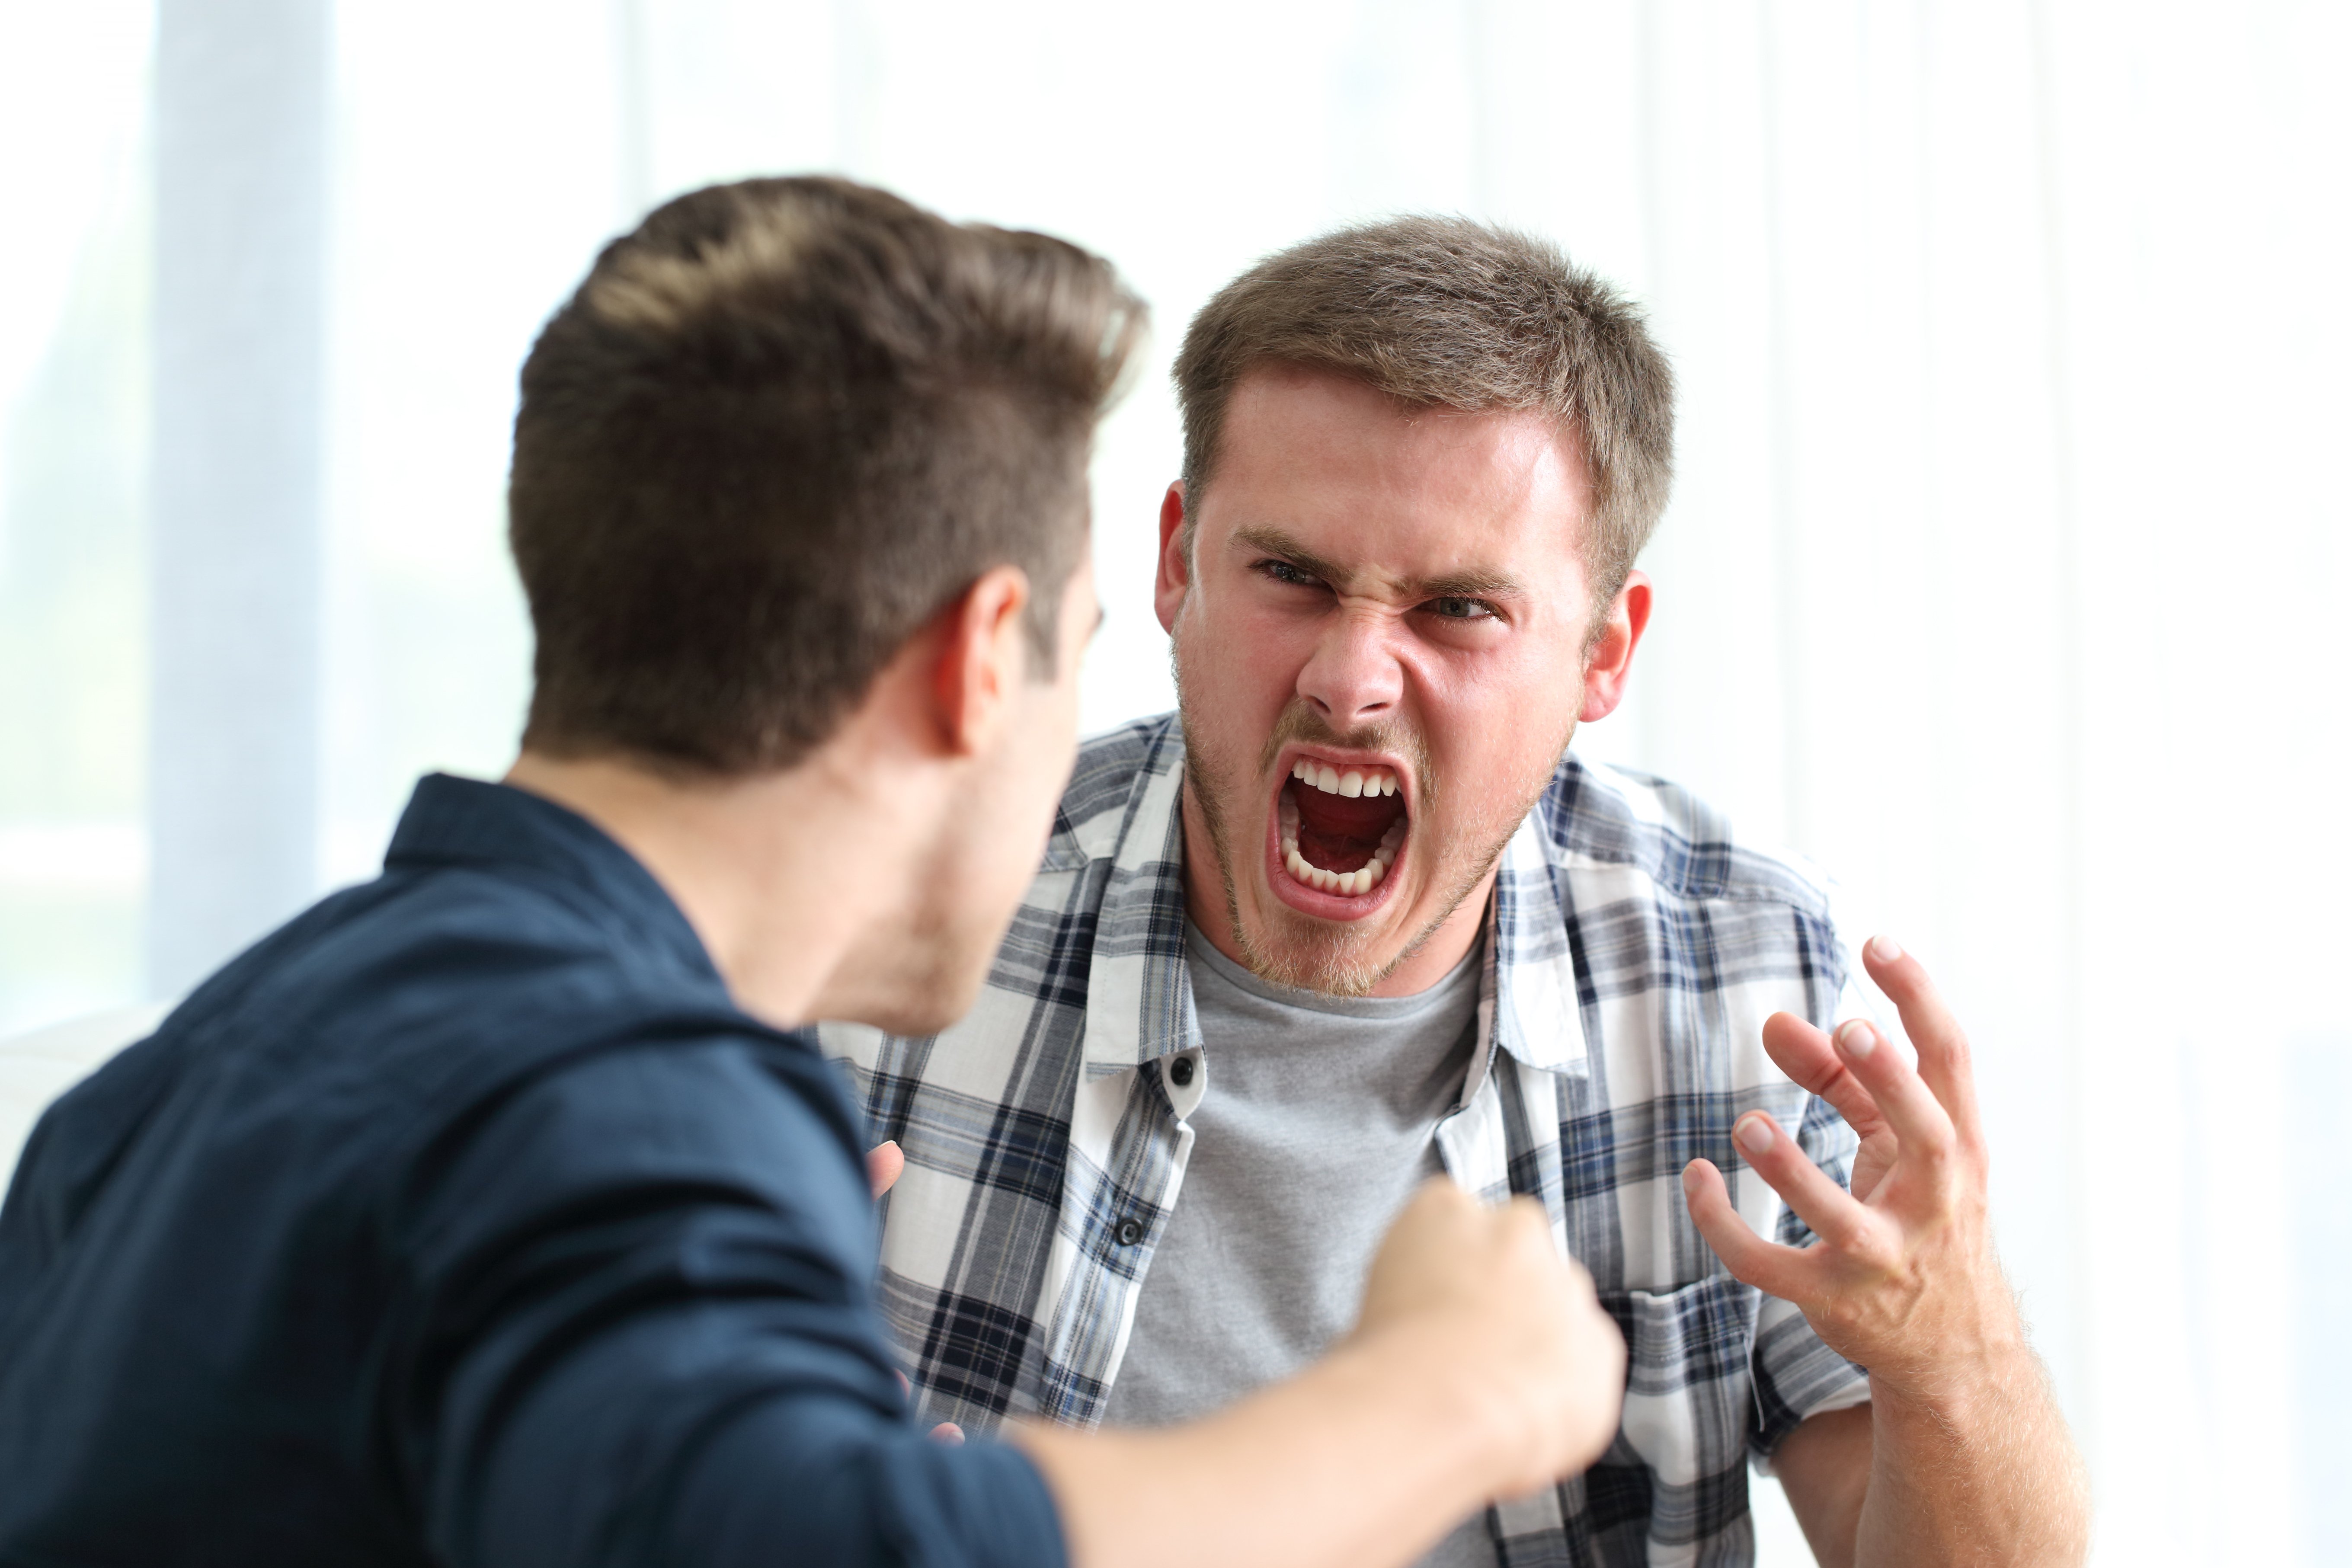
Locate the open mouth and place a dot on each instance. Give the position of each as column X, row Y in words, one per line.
column 1339, row 828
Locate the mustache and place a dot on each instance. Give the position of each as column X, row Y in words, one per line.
column 1301, row 723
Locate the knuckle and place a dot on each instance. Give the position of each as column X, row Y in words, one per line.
column 1937, row 1141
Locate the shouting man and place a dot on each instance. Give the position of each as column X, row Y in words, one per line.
column 501, row 1210
column 1354, row 915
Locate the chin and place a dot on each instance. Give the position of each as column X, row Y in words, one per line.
column 925, row 997
column 1334, row 964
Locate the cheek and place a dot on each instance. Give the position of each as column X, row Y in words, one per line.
column 1537, row 684
column 1244, row 651
column 1495, row 725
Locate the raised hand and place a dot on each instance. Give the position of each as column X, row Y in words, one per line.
column 1970, row 1460
column 1904, row 1279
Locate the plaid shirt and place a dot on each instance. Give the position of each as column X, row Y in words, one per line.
column 1633, row 951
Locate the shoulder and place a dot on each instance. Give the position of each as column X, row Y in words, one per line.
column 1650, row 894
column 1110, row 784
column 388, row 1015
column 1601, row 819
column 723, row 1108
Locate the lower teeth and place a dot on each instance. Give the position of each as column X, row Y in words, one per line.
column 1364, row 879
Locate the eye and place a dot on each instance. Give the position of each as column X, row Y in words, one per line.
column 1284, row 571
column 1459, row 609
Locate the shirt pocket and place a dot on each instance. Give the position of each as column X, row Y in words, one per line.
column 1689, row 1398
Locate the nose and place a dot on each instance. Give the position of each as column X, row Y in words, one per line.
column 1353, row 677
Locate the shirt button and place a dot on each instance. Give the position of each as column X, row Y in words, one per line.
column 1179, row 1071
column 1130, row 1231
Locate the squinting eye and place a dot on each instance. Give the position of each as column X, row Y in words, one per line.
column 1461, row 609
column 1284, row 571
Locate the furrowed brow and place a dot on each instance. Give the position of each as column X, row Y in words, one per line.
column 1472, row 584
column 1274, row 542
column 1475, row 583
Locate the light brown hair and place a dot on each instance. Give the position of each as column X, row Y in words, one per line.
column 1439, row 312
column 776, row 429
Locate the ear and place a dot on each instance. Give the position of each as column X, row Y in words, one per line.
column 983, row 655
column 1175, row 573
column 1609, row 665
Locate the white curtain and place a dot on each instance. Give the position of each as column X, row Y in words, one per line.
column 2005, row 572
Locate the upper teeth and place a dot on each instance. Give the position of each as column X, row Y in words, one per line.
column 1347, row 781
column 1362, row 880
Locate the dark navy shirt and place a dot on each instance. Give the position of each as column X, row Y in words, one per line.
column 466, row 1220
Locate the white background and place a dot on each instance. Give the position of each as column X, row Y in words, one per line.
column 2005, row 573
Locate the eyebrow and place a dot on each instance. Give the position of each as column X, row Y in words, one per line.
column 1478, row 583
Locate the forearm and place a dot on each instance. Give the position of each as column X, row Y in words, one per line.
column 1982, row 1472
column 1365, row 1459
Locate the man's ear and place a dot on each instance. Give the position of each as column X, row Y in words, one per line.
column 983, row 655
column 1175, row 574
column 1610, row 664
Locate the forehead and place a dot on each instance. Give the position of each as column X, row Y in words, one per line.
column 1419, row 488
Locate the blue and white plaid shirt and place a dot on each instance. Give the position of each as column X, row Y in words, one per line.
column 1634, row 952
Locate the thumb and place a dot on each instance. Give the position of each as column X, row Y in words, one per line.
column 883, row 1162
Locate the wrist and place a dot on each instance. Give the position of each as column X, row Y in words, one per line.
column 1974, row 1464
column 1968, row 1348
column 1957, row 1390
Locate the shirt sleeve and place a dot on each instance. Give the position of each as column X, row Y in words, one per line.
column 643, row 1333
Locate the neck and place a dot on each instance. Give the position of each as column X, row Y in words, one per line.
column 783, row 875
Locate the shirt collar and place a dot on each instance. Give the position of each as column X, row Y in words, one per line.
column 1538, row 1019
column 502, row 829
column 1140, row 990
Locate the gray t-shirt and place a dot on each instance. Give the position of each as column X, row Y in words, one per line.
column 1316, row 1123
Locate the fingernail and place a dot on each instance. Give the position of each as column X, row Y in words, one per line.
column 1755, row 1134
column 1858, row 1039
column 1883, row 948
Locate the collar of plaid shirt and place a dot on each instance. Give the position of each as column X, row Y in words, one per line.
column 1140, row 992
column 1633, row 951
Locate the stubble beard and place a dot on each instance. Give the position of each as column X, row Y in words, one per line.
column 1320, row 955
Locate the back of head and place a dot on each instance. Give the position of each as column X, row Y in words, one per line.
column 776, row 429
column 1445, row 312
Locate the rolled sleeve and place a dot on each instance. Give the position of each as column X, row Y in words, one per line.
column 1796, row 1378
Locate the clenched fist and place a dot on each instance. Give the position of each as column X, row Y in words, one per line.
column 1514, row 1325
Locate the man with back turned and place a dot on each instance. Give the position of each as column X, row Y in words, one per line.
column 502, row 1210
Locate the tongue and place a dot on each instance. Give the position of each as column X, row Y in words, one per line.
column 1339, row 834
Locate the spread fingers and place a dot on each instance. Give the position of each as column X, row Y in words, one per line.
column 1809, row 1190
column 1813, row 1063
column 1911, row 1109
column 1787, row 1272
column 1943, row 1046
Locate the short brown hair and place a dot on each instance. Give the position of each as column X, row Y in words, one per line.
column 1438, row 311
column 776, row 429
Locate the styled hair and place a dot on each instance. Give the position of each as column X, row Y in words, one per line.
column 1439, row 312
column 776, row 429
